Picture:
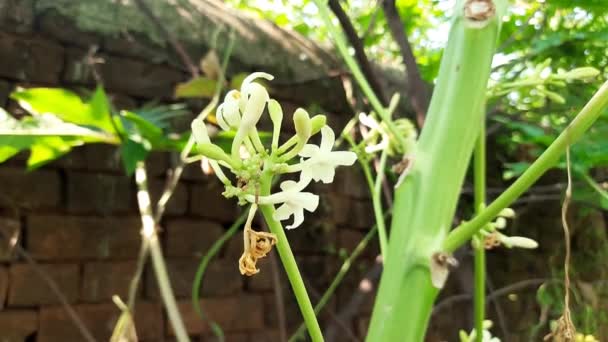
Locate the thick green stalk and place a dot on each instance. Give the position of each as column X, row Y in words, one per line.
column 585, row 118
column 425, row 202
column 479, row 175
column 289, row 263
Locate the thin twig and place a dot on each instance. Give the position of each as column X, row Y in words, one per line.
column 84, row 331
column 357, row 44
column 417, row 89
column 177, row 46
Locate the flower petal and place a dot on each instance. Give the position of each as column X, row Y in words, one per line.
column 308, row 201
column 328, row 138
column 344, row 158
column 326, row 173
column 219, row 117
column 283, row 212
column 309, row 150
column 298, row 218
column 288, row 184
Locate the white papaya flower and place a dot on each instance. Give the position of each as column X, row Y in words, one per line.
column 293, row 201
column 322, row 161
column 227, row 114
column 517, row 241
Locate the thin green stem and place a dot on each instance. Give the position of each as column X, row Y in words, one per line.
column 592, row 183
column 289, row 262
column 202, row 267
column 354, row 68
column 479, row 175
column 581, row 123
column 377, row 204
column 346, row 265
column 158, row 262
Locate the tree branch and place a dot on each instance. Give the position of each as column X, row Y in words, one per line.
column 417, row 89
column 357, row 44
column 179, row 49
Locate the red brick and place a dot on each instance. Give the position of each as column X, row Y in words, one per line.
column 235, row 337
column 9, row 229
column 93, row 157
column 206, row 200
column 30, row 190
column 27, row 288
column 103, row 280
column 362, row 324
column 233, row 314
column 18, row 325
column 100, row 194
column 52, row 237
column 30, row 59
column 178, row 204
column 265, row 336
column 188, row 238
column 55, row 324
column 263, row 281
column 221, row 278
column 350, row 182
column 5, row 90
column 349, row 239
column 65, row 31
column 125, row 75
column 3, row 285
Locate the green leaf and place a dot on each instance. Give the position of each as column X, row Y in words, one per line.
column 195, row 88
column 46, row 135
column 67, row 106
column 132, row 152
column 144, row 127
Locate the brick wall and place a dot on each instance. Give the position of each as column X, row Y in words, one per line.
column 77, row 217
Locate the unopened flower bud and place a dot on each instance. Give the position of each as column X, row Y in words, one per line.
column 215, row 152
column 276, row 116
column 519, row 242
column 500, row 223
column 199, row 130
column 507, row 213
column 302, row 124
column 317, row 122
column 584, row 73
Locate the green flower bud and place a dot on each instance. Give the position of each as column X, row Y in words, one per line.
column 302, row 124
column 507, row 212
column 276, row 116
column 553, row 96
column 215, row 152
column 317, row 122
column 584, row 73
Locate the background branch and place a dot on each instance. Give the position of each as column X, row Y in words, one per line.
column 357, row 44
column 417, row 89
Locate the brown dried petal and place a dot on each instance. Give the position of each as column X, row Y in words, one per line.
column 247, row 264
column 261, row 243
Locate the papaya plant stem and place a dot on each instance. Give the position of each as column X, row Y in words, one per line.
column 479, row 175
column 289, row 262
column 581, row 123
column 149, row 233
column 377, row 204
column 340, row 41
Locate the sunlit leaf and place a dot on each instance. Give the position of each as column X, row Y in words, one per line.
column 200, row 87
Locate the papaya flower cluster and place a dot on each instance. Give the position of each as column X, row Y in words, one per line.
column 252, row 163
column 492, row 237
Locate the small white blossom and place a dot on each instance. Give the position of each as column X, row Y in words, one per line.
column 293, row 200
column 518, row 241
column 322, row 162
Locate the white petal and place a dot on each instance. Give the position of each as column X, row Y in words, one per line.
column 298, row 218
column 283, row 212
column 288, row 184
column 308, row 201
column 219, row 117
column 520, row 242
column 231, row 114
column 344, row 158
column 255, row 75
column 309, row 150
column 328, row 138
column 326, row 173
column 368, row 120
column 257, row 98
